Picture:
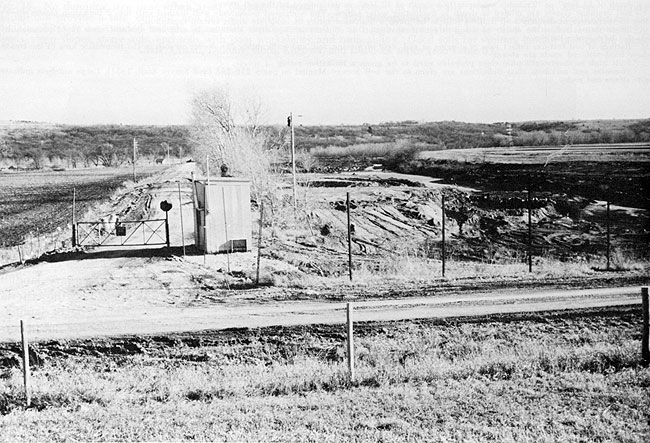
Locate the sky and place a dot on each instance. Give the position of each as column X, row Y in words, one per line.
column 331, row 62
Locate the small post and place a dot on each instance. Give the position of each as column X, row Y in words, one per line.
column 74, row 219
column 135, row 147
column 645, row 333
column 293, row 161
column 259, row 244
column 207, row 168
column 349, row 237
column 166, row 228
column 608, row 237
column 443, row 235
column 180, row 207
column 530, row 232
column 38, row 241
column 23, row 336
column 74, row 204
column 225, row 227
column 195, row 206
column 350, row 342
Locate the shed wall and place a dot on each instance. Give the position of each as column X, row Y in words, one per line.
column 223, row 218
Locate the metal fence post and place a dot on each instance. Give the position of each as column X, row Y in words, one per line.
column 645, row 333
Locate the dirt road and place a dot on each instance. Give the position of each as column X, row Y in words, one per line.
column 82, row 318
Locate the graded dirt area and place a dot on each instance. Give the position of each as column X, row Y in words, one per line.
column 120, row 290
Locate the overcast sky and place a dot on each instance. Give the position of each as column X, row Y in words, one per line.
column 331, row 61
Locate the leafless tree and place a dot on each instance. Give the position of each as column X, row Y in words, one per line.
column 226, row 135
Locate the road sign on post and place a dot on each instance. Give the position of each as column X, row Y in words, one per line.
column 166, row 206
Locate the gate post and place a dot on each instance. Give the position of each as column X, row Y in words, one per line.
column 167, row 228
column 74, row 235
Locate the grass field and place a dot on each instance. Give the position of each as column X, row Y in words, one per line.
column 543, row 378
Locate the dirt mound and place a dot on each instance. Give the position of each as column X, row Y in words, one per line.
column 391, row 219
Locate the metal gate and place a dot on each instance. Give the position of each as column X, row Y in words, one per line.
column 122, row 233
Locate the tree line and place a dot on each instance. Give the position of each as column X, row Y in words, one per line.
column 34, row 146
column 112, row 145
column 461, row 135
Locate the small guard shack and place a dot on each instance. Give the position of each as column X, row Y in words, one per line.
column 222, row 215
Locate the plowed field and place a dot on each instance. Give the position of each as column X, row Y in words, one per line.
column 33, row 203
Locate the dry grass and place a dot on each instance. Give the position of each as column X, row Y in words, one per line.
column 371, row 150
column 414, row 269
column 554, row 379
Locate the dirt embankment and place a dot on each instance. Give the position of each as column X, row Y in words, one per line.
column 395, row 216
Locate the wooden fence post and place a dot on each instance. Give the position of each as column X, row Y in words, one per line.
column 350, row 342
column 645, row 334
column 609, row 248
column 259, row 244
column 443, row 235
column 74, row 217
column 349, row 237
column 180, row 207
column 23, row 336
column 530, row 231
column 225, row 227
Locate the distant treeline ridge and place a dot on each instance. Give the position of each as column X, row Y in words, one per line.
column 36, row 145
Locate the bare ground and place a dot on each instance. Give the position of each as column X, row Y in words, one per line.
column 119, row 290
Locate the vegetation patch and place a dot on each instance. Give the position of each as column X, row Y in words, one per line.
column 454, row 380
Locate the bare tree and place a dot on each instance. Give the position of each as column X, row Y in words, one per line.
column 224, row 135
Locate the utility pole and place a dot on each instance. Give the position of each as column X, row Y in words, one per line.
column 293, row 159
